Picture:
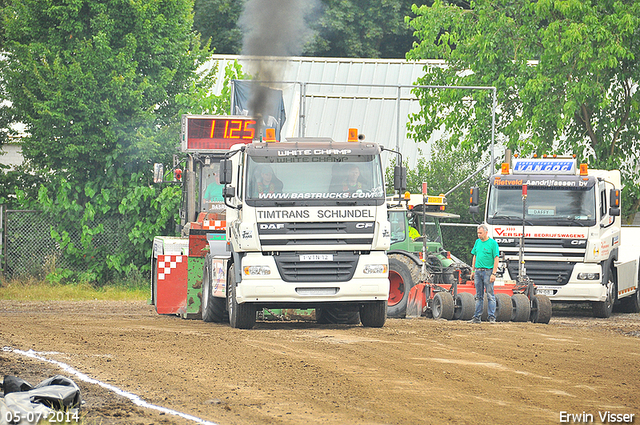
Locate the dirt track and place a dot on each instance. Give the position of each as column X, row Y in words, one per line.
column 409, row 372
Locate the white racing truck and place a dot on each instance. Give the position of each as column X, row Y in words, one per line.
column 575, row 249
column 301, row 233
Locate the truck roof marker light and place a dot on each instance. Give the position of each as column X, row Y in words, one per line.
column 353, row 135
column 515, row 155
column 544, row 155
column 584, row 170
column 407, row 195
column 574, row 156
column 505, row 168
column 535, row 155
column 270, row 135
column 555, row 155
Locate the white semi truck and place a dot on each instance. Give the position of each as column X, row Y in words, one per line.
column 575, row 249
column 306, row 228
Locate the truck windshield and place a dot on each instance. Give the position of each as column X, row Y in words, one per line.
column 356, row 178
column 544, row 206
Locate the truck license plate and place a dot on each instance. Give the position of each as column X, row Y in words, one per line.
column 544, row 291
column 316, row 257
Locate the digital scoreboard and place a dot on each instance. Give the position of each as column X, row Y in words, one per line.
column 203, row 133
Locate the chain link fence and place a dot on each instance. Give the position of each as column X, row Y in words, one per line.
column 28, row 249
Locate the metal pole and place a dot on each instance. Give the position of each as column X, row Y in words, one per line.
column 398, row 120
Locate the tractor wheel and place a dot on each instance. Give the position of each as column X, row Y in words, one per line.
column 374, row 314
column 400, row 283
column 442, row 306
column 541, row 309
column 604, row 308
column 521, row 308
column 464, row 307
column 337, row 316
column 213, row 308
column 503, row 307
column 241, row 316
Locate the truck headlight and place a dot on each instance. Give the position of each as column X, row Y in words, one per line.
column 256, row 270
column 375, row 269
column 588, row 276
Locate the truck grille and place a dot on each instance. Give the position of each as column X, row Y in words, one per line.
column 341, row 269
column 290, row 235
column 544, row 273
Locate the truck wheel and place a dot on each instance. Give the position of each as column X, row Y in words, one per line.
column 604, row 308
column 464, row 306
column 241, row 316
column 521, row 308
column 631, row 304
column 503, row 307
column 213, row 308
column 337, row 316
column 400, row 283
column 373, row 314
column 442, row 306
column 540, row 309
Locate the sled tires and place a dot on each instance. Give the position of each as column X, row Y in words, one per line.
column 465, row 306
column 541, row 309
column 442, row 306
column 521, row 308
column 504, row 307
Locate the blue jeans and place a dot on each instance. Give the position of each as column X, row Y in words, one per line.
column 483, row 282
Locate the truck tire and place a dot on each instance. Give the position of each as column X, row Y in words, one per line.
column 442, row 306
column 401, row 281
column 213, row 308
column 241, row 316
column 464, row 306
column 337, row 316
column 504, row 307
column 631, row 304
column 373, row 314
column 541, row 309
column 521, row 308
column 603, row 309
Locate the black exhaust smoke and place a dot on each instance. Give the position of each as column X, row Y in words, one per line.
column 271, row 28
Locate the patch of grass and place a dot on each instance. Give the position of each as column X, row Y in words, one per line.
column 30, row 289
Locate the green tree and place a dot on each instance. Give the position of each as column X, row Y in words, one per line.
column 361, row 28
column 216, row 20
column 566, row 74
column 100, row 86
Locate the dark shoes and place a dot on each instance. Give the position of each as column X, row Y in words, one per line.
column 475, row 320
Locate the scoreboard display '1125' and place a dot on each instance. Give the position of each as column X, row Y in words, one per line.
column 204, row 133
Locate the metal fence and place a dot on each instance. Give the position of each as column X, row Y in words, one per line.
column 28, row 249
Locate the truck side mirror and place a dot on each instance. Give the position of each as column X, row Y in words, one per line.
column 474, row 200
column 614, row 202
column 399, row 178
column 228, row 192
column 226, row 172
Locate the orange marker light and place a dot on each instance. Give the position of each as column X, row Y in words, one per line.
column 269, row 134
column 584, row 170
column 505, row 168
column 353, row 135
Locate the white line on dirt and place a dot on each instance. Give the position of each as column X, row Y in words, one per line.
column 134, row 398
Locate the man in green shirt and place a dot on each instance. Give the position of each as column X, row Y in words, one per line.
column 485, row 263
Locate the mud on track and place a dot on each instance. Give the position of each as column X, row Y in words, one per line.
column 409, row 372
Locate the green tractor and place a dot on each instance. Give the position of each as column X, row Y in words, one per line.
column 417, row 254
